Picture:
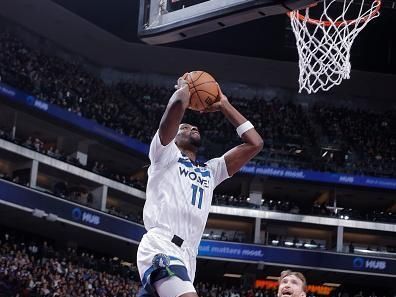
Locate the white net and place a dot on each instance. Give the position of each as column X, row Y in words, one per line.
column 324, row 41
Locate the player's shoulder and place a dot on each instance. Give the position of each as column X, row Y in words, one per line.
column 213, row 161
column 160, row 153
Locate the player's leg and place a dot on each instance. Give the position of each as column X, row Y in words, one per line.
column 169, row 279
column 175, row 287
column 164, row 275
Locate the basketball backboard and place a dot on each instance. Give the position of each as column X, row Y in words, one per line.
column 165, row 21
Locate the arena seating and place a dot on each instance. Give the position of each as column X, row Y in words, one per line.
column 34, row 266
column 289, row 129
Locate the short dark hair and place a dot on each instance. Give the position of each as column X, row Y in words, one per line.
column 296, row 274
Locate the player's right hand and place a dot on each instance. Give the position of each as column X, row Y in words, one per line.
column 183, row 90
column 182, row 83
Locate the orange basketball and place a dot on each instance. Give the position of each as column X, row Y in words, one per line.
column 203, row 89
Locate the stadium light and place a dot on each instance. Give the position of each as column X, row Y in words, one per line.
column 276, row 278
column 38, row 213
column 51, row 217
column 232, row 275
column 331, row 285
column 365, row 251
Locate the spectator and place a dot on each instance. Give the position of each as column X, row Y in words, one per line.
column 351, row 248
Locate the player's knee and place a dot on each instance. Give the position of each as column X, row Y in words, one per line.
column 174, row 287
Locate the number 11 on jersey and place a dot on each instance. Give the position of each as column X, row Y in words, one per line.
column 196, row 189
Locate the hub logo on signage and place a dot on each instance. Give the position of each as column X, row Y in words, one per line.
column 37, row 103
column 360, row 263
column 81, row 215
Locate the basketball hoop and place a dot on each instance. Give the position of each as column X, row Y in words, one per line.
column 324, row 36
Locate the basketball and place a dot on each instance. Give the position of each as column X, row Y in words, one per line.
column 203, row 89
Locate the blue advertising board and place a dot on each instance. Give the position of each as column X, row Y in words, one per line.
column 327, row 177
column 296, row 257
column 66, row 116
column 70, row 211
column 220, row 250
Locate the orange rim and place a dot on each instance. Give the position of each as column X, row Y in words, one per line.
column 303, row 18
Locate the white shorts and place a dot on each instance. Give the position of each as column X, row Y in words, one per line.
column 182, row 260
column 173, row 287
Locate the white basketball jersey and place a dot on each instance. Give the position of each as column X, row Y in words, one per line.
column 179, row 194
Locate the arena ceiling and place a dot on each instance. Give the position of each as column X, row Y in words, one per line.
column 271, row 38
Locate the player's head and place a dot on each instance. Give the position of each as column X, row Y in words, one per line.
column 292, row 284
column 188, row 137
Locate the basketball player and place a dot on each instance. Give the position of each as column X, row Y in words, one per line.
column 179, row 194
column 292, row 284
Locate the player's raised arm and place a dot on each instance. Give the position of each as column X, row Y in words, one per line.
column 238, row 156
column 174, row 112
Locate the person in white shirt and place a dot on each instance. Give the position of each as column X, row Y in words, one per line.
column 179, row 194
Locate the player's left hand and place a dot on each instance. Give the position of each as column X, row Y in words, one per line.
column 183, row 91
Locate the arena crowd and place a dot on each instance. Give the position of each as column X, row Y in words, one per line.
column 361, row 141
